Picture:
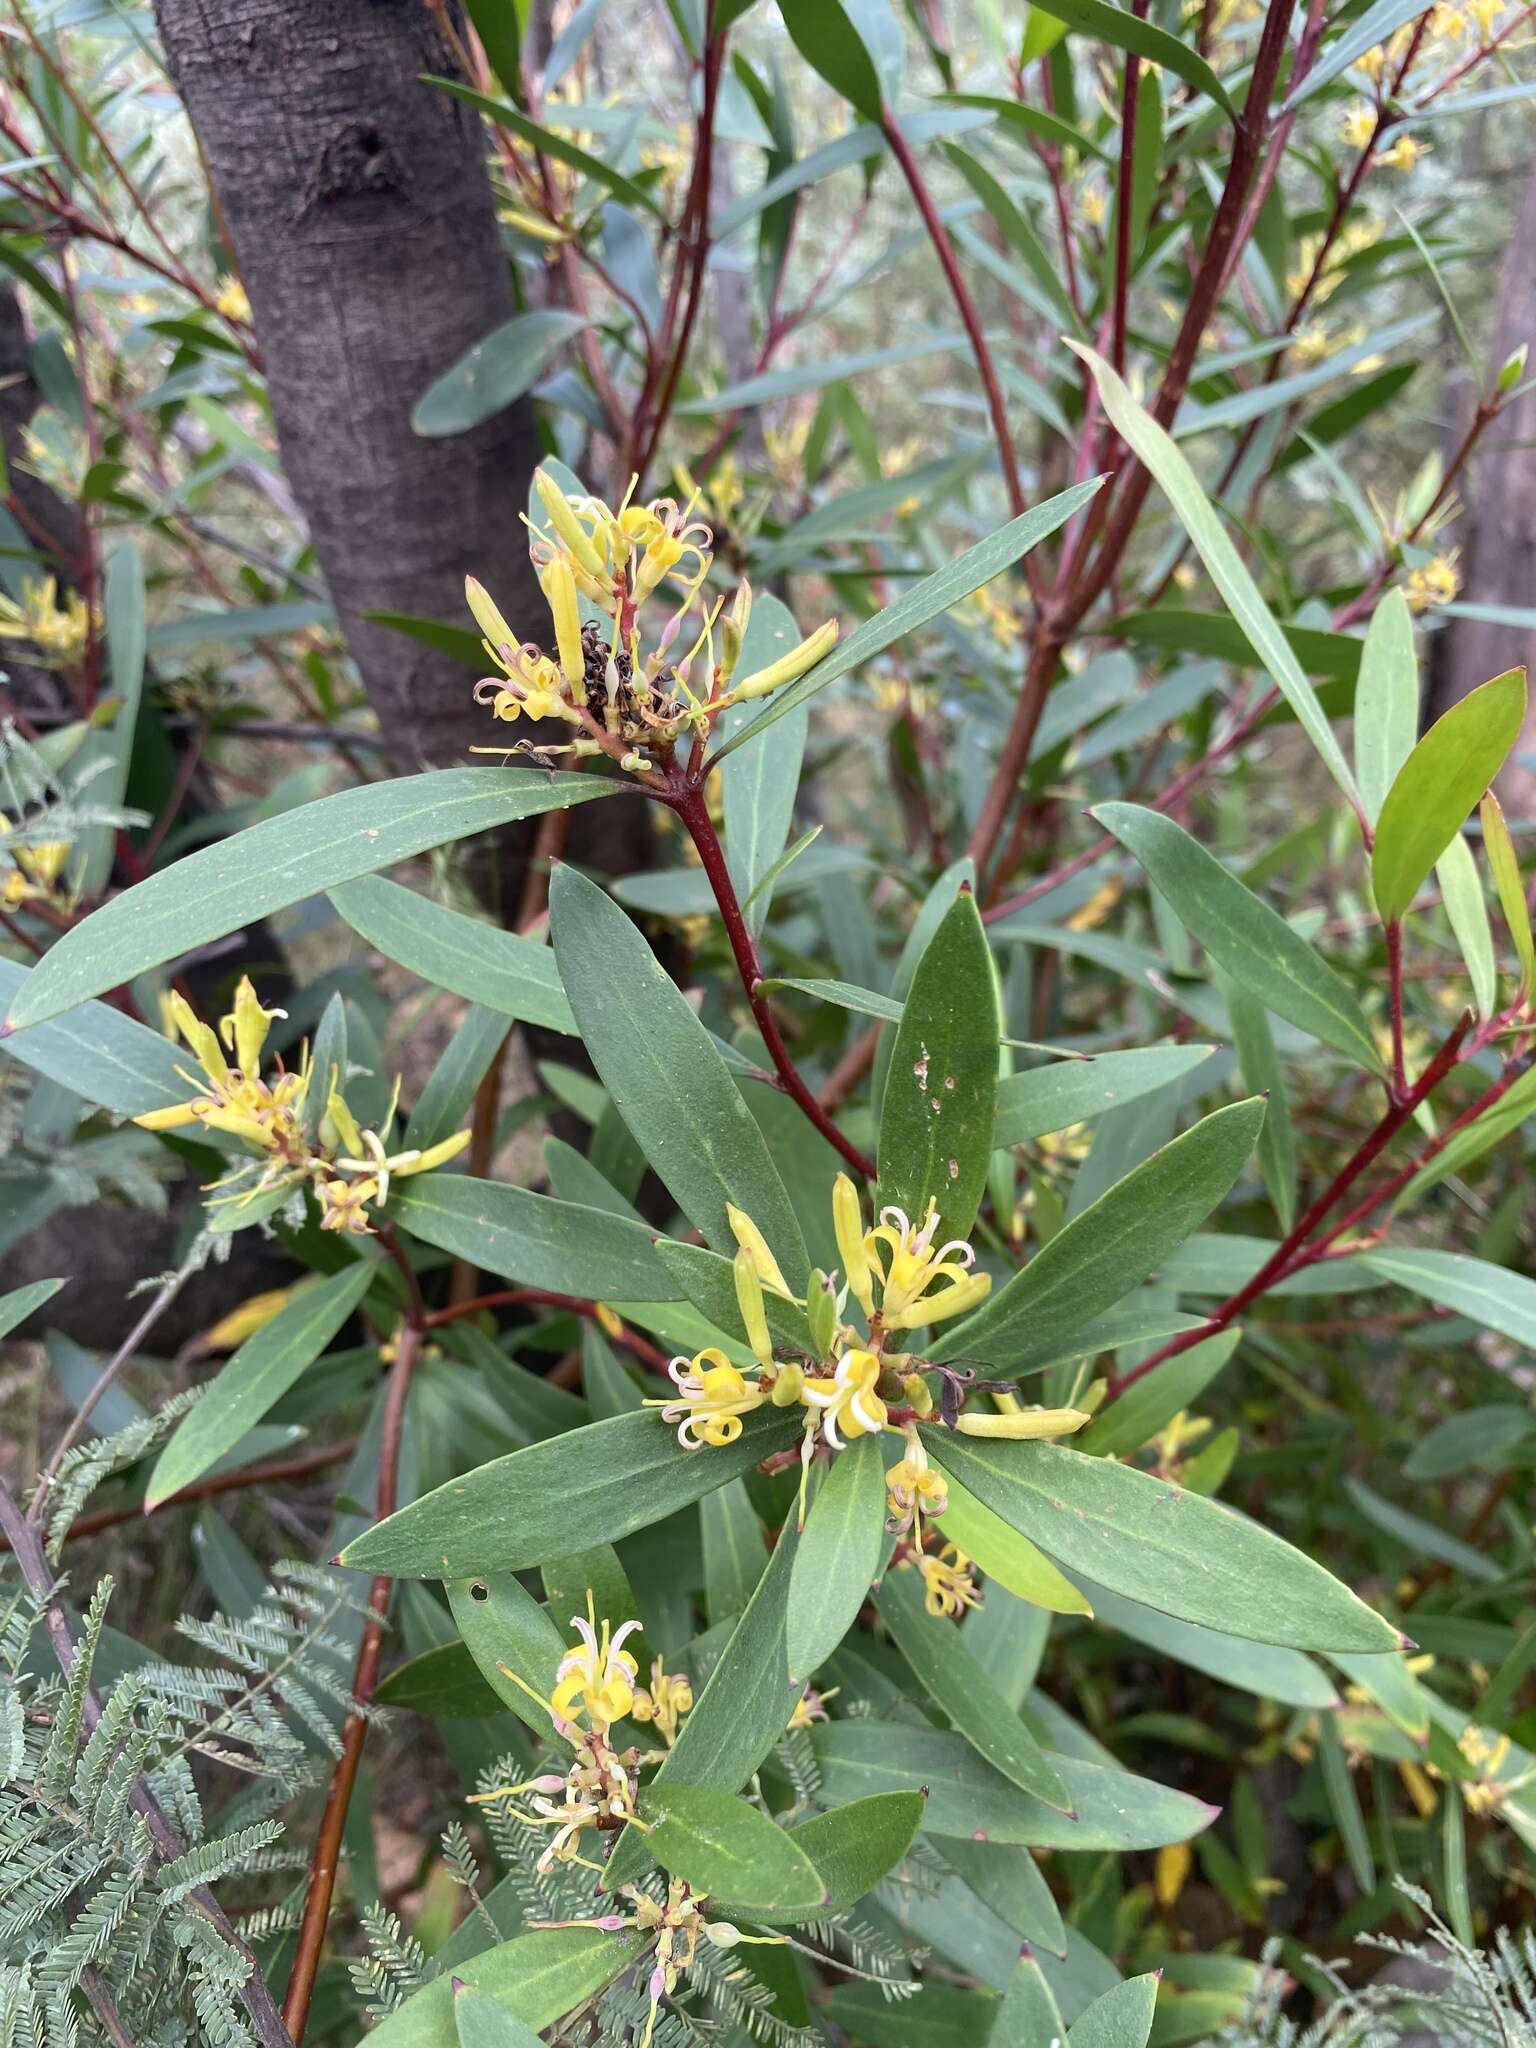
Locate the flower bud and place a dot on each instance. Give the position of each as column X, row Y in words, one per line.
column 749, row 1300
column 1513, row 368
column 559, row 587
column 785, row 1391
column 751, row 1239
column 566, row 524
column 486, row 616
column 1028, row 1424
column 916, row 1393
column 788, row 666
column 821, row 1313
column 848, row 1224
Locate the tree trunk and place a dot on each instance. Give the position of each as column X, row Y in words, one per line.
column 1497, row 533
column 362, row 219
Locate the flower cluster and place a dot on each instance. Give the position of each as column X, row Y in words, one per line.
column 34, row 874
column 616, row 696
column 347, row 1168
column 58, row 630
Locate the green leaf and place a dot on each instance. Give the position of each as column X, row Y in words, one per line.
column 1011, row 1886
column 741, row 1713
column 1029, row 2014
column 1045, row 1099
column 1031, row 123
column 1386, row 700
column 924, row 601
column 1248, row 940
column 1264, row 1669
column 1006, row 1556
column 734, row 1551
column 1147, row 1406
column 1439, row 784
column 1335, row 656
column 1345, row 1802
column 21, row 1302
column 536, row 1977
column 1160, row 1544
column 758, row 788
column 550, row 143
column 469, row 957
column 814, row 374
column 962, row 1691
column 830, row 42
column 1362, row 33
column 1129, row 32
column 499, row 24
column 1162, row 457
column 667, row 1081
column 280, row 861
column 1018, row 234
column 941, row 1094
column 966, row 1797
column 108, row 752
column 719, row 1844
column 484, row 2022
column 461, row 642
column 260, row 1372
column 1110, row 1247
column 501, row 1624
column 856, row 1845
column 1466, row 912
column 1490, row 1295
column 533, row 1239
column 565, row 1494
column 444, row 1103
column 839, row 1557
column 1504, row 863
column 1420, row 1538
column 1121, row 2018
column 1478, row 1137
column 96, row 1052
column 498, row 369
column 1262, row 1073
column 445, row 1682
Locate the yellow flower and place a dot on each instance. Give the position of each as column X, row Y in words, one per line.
column 912, row 1267
column 950, row 1586
column 912, row 1487
column 233, row 303
column 235, row 1100
column 1447, row 24
column 811, row 1706
column 715, row 1396
column 1404, row 153
column 1434, row 582
column 847, row 1402
column 1360, row 124
column 1093, row 205
column 598, row 1679
column 1486, row 14
column 755, row 1245
column 59, row 630
column 665, row 1703
column 36, row 874
column 1172, row 1868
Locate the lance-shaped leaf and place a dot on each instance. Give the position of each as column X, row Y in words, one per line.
column 667, row 1081
column 538, row 1977
column 1509, row 882
column 1129, row 31
column 257, row 1376
column 719, row 1844
column 1168, row 465
column 505, row 1629
column 499, row 368
column 840, row 1555
column 1386, row 700
column 1264, row 1669
column 1029, row 2013
column 966, row 1797
column 1045, row 1099
column 758, row 788
column 1111, row 1247
column 854, row 1846
column 1120, row 2018
column 22, row 1302
column 829, row 40
column 1151, row 1402
column 963, row 1691
column 499, row 970
column 484, row 2022
column 1491, row 1295
column 1006, row 1556
column 1437, row 786
column 268, row 866
column 1248, row 940
column 940, row 1098
column 534, row 1239
column 589, row 1486
column 97, row 1052
column 741, row 1713
column 1011, row 1886
column 1162, row 1545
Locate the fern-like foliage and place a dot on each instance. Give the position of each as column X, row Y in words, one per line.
column 101, row 1930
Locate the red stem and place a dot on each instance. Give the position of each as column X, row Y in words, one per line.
column 530, row 1297
column 688, row 800
column 1395, row 979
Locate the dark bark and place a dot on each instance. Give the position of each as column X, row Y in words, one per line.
column 1497, row 532
column 363, row 222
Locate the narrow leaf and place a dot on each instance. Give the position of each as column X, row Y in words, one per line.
column 839, row 1556
column 1386, row 700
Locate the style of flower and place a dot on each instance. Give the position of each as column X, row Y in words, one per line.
column 664, row 1703
column 812, row 1706
column 58, row 629
column 950, row 1588
column 715, row 1395
column 596, row 1680
column 347, row 1168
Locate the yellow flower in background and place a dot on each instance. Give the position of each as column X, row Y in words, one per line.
column 1093, row 205
column 1171, row 1872
column 233, row 303
column 33, row 873
column 57, row 627
column 950, row 1587
column 664, row 1702
column 1404, row 153
column 1360, row 125
column 1485, row 13
column 715, row 1396
column 1434, row 582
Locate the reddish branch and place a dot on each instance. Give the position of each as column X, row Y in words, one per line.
column 540, row 1297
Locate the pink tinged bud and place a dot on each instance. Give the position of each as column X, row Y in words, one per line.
column 657, row 1985
column 611, row 1923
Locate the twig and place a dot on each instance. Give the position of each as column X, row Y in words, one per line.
column 207, row 1489
column 266, row 2021
column 541, row 1297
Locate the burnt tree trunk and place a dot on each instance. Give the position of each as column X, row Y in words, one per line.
column 363, row 223
column 1497, row 532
